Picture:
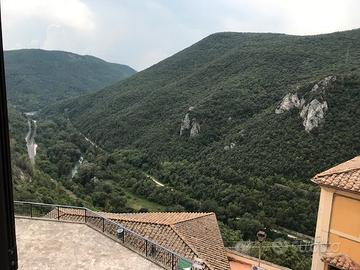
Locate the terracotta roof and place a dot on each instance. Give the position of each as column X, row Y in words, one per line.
column 165, row 218
column 203, row 236
column 191, row 235
column 340, row 261
column 244, row 259
column 188, row 234
column 345, row 176
column 352, row 164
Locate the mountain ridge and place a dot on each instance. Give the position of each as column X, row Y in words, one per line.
column 150, row 88
column 221, row 125
column 233, row 84
column 37, row 77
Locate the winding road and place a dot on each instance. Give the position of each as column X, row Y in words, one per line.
column 30, row 137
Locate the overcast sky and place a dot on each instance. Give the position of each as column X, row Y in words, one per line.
column 140, row 33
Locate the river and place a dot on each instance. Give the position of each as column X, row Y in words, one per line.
column 30, row 136
column 76, row 167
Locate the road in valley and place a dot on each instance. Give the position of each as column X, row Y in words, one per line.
column 30, row 137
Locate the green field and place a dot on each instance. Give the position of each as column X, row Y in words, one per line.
column 136, row 203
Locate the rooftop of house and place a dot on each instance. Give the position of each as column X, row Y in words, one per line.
column 44, row 244
column 240, row 261
column 340, row 261
column 345, row 176
column 192, row 235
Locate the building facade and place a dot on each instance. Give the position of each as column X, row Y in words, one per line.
column 240, row 261
column 337, row 237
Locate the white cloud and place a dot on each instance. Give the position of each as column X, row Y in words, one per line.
column 302, row 17
column 153, row 56
column 34, row 43
column 72, row 13
column 48, row 24
column 321, row 16
column 141, row 33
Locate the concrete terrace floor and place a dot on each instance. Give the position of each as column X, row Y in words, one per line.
column 44, row 245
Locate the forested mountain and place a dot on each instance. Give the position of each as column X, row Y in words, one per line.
column 237, row 120
column 37, row 77
column 227, row 75
column 31, row 183
column 236, row 124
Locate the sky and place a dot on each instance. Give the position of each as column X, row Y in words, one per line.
column 140, row 33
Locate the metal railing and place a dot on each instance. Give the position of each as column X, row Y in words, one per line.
column 128, row 238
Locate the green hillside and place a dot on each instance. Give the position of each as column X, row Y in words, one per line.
column 242, row 155
column 220, row 125
column 225, row 75
column 37, row 77
column 31, row 183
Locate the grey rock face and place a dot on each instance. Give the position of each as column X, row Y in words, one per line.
column 313, row 114
column 230, row 146
column 323, row 84
column 289, row 102
column 312, row 105
column 188, row 125
column 195, row 128
column 185, row 124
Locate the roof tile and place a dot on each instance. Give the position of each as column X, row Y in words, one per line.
column 345, row 176
column 340, row 261
column 190, row 235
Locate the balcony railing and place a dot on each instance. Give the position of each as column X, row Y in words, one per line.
column 141, row 245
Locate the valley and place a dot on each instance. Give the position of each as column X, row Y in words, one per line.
column 236, row 124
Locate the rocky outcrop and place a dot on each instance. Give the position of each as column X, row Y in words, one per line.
column 185, row 124
column 189, row 126
column 323, row 84
column 312, row 104
column 289, row 102
column 313, row 114
column 230, row 146
column 195, row 128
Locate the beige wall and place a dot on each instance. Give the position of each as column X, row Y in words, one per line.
column 345, row 226
column 338, row 225
column 322, row 228
column 239, row 261
column 345, row 246
column 346, row 215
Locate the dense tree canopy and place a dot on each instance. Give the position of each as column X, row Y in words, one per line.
column 248, row 165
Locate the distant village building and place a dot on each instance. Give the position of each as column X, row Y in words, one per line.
column 240, row 261
column 337, row 238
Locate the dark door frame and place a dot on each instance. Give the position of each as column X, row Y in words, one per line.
column 8, row 252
